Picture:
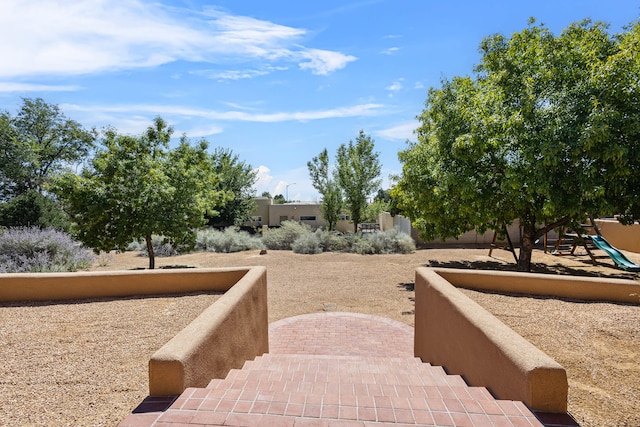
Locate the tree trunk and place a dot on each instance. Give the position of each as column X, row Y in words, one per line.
column 526, row 247
column 152, row 258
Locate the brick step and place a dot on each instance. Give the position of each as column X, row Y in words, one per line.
column 344, row 389
column 342, row 370
column 345, row 376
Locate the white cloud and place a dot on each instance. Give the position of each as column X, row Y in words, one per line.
column 402, row 131
column 172, row 110
column 395, row 86
column 418, row 85
column 263, row 180
column 31, row 87
column 323, row 62
column 59, row 37
column 200, row 132
column 237, row 74
column 390, row 51
column 297, row 180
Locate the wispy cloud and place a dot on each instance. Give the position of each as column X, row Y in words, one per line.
column 396, row 86
column 56, row 37
column 402, row 131
column 390, row 51
column 31, row 87
column 172, row 110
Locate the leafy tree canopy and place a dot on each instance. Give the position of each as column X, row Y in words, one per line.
column 358, row 171
column 546, row 130
column 35, row 144
column 235, row 185
column 137, row 187
column 325, row 182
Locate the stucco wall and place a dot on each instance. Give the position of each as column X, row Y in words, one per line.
column 453, row 331
column 625, row 237
column 575, row 287
column 232, row 330
column 70, row 286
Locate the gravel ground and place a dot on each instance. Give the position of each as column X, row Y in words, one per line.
column 85, row 363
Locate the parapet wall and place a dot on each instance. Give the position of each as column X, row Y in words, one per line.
column 574, row 287
column 232, row 330
column 455, row 332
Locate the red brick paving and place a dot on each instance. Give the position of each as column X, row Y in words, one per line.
column 338, row 370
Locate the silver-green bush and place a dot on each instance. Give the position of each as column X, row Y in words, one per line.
column 229, row 240
column 283, row 237
column 386, row 242
column 31, row 249
column 307, row 243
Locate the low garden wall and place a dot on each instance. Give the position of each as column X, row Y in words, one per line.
column 453, row 331
column 232, row 330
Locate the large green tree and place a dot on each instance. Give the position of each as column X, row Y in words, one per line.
column 358, row 171
column 137, row 187
column 235, row 184
column 545, row 131
column 324, row 181
column 36, row 143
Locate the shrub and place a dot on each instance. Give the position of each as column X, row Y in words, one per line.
column 308, row 243
column 31, row 249
column 282, row 238
column 387, row 242
column 229, row 240
column 331, row 241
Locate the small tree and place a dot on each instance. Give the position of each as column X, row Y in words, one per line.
column 358, row 171
column 136, row 187
column 325, row 183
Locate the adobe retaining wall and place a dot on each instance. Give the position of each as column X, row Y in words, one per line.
column 455, row 332
column 232, row 330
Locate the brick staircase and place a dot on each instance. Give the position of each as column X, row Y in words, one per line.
column 329, row 390
column 338, row 370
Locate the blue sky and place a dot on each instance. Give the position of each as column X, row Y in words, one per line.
column 276, row 81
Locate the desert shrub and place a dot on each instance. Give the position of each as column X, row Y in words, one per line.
column 283, row 237
column 331, row 241
column 31, row 249
column 308, row 243
column 387, row 242
column 229, row 240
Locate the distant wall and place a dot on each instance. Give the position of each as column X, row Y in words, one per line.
column 625, row 237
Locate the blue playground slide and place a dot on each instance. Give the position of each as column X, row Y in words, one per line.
column 618, row 257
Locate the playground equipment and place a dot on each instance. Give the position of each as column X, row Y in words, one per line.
column 568, row 242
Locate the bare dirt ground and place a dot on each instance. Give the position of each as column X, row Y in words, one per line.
column 85, row 363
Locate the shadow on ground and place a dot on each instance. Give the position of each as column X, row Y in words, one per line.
column 535, row 268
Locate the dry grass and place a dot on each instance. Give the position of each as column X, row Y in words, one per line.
column 86, row 362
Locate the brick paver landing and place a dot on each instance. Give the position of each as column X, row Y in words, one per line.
column 338, row 370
